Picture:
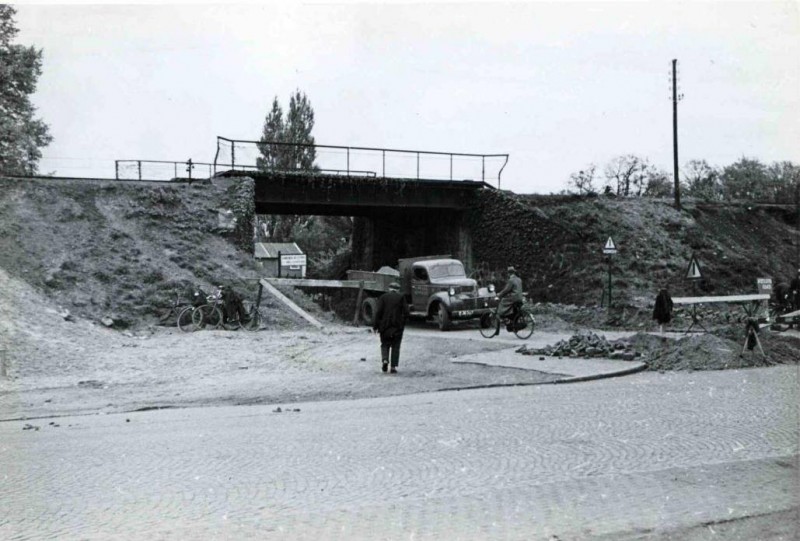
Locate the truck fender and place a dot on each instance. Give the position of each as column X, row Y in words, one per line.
column 435, row 300
column 439, row 308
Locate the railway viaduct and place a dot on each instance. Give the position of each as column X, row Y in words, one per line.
column 394, row 217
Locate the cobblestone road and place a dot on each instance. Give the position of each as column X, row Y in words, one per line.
column 646, row 453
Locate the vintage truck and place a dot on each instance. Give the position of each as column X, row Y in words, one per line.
column 436, row 287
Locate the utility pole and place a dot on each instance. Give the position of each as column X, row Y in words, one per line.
column 675, row 99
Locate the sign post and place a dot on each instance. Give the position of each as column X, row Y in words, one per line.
column 694, row 274
column 765, row 288
column 609, row 249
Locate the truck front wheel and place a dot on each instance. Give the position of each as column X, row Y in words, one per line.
column 368, row 309
column 443, row 318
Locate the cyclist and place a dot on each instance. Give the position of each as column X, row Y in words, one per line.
column 509, row 295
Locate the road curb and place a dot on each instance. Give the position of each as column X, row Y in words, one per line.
column 575, row 379
column 626, row 372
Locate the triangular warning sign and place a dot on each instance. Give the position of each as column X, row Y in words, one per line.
column 693, row 272
column 609, row 248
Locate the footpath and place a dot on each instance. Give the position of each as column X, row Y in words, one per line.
column 569, row 369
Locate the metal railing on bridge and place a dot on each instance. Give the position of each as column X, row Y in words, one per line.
column 233, row 154
column 174, row 170
column 161, row 169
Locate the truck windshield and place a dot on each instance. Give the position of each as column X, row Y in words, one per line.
column 446, row 270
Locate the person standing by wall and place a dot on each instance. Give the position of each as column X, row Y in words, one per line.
column 662, row 311
column 390, row 321
column 794, row 291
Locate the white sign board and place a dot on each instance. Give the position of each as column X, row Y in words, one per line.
column 294, row 260
column 610, row 248
column 764, row 285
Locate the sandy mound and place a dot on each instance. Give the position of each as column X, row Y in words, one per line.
column 712, row 352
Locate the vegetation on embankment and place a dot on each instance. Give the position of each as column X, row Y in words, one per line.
column 124, row 249
column 556, row 243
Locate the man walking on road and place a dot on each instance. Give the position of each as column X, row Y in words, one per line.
column 390, row 321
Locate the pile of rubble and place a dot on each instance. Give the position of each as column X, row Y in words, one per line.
column 585, row 345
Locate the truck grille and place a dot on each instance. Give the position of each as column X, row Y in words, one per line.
column 473, row 303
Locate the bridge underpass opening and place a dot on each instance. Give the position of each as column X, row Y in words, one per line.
column 376, row 238
column 384, row 238
column 392, row 218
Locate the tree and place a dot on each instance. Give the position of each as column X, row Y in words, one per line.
column 746, row 179
column 21, row 135
column 626, row 175
column 583, row 180
column 322, row 238
column 785, row 181
column 702, row 180
column 658, row 183
column 272, row 156
column 294, row 132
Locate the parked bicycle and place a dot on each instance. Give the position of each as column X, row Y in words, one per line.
column 209, row 315
column 252, row 320
column 521, row 322
column 213, row 314
column 181, row 312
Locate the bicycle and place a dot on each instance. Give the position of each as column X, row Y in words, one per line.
column 182, row 312
column 211, row 315
column 521, row 322
column 252, row 320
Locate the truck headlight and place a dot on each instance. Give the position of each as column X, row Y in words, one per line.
column 452, row 291
column 491, row 288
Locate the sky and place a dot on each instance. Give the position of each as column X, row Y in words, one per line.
column 556, row 85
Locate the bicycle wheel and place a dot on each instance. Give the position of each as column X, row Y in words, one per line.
column 185, row 322
column 490, row 324
column 253, row 322
column 233, row 323
column 207, row 316
column 523, row 325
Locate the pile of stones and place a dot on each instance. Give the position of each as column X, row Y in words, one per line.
column 585, row 345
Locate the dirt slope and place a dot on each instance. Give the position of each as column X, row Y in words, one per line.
column 557, row 242
column 122, row 249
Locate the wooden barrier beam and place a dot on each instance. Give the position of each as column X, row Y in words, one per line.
column 339, row 284
column 723, row 298
column 288, row 302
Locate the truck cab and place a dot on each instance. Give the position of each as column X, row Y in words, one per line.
column 438, row 288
